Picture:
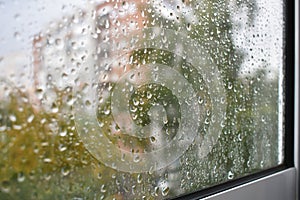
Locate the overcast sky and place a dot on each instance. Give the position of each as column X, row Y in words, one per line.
column 21, row 20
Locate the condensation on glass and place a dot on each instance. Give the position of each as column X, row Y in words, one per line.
column 137, row 99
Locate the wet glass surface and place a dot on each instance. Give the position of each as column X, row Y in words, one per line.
column 137, row 99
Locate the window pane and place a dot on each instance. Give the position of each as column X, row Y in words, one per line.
column 137, row 99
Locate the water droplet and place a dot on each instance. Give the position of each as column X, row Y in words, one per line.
column 136, row 158
column 135, row 102
column 3, row 127
column 151, row 170
column 156, row 191
column 149, row 95
column 240, row 138
column 17, row 127
column 107, row 111
column 200, row 100
column 59, row 43
column 54, row 108
column 47, row 176
column 47, row 160
column 21, row 177
column 188, row 175
column 139, row 178
column 230, row 175
column 133, row 109
column 30, row 118
column 101, row 124
column 125, row 5
column 141, row 101
column 107, row 24
column 188, row 27
column 17, row 16
column 206, row 121
column 88, row 103
column 165, row 120
column 62, row 148
column 65, row 171
column 5, row 186
column 103, row 188
column 165, row 191
column 12, row 118
column 155, row 77
column 99, row 176
column 17, row 35
column 222, row 123
column 222, row 100
column 152, row 139
column 63, row 133
column 64, row 76
column 70, row 101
